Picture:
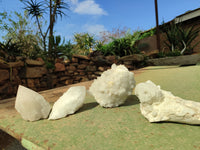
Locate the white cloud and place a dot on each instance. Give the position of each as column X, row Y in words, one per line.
column 94, row 29
column 88, row 7
column 74, row 2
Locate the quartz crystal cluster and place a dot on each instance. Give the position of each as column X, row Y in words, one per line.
column 113, row 86
column 160, row 105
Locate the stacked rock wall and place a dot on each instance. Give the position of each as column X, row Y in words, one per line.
column 34, row 74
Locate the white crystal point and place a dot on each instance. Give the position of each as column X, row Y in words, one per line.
column 31, row 105
column 68, row 103
column 159, row 105
column 113, row 86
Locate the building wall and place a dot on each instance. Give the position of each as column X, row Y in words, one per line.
column 152, row 43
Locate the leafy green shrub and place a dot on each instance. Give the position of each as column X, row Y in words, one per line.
column 174, row 53
column 84, row 42
column 161, row 55
column 186, row 37
column 179, row 38
column 67, row 50
column 60, row 50
column 21, row 31
column 10, row 50
column 121, row 46
column 106, row 49
column 168, row 54
column 49, row 65
column 148, row 33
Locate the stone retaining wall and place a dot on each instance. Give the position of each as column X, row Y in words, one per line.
column 33, row 73
column 184, row 60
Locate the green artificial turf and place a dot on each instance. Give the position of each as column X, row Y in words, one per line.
column 94, row 127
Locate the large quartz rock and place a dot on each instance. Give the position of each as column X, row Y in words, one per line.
column 31, row 105
column 113, row 86
column 69, row 102
column 159, row 105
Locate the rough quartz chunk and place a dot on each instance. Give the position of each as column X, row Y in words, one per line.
column 31, row 105
column 113, row 86
column 159, row 105
column 68, row 103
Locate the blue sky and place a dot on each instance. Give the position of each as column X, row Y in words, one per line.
column 94, row 16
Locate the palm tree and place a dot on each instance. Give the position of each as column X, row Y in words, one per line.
column 37, row 9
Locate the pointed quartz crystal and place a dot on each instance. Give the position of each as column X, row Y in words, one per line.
column 68, row 103
column 31, row 105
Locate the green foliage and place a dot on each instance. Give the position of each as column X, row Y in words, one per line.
column 9, row 51
column 3, row 24
column 187, row 36
column 106, row 49
column 174, row 53
column 172, row 33
column 67, row 50
column 169, row 54
column 179, row 38
column 84, row 42
column 122, row 46
column 34, row 8
column 37, row 8
column 60, row 49
column 19, row 31
column 161, row 55
column 148, row 33
column 49, row 65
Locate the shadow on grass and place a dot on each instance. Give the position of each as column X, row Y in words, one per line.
column 178, row 123
column 87, row 106
column 131, row 100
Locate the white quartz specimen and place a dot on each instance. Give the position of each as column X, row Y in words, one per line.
column 68, row 103
column 31, row 105
column 159, row 105
column 113, row 86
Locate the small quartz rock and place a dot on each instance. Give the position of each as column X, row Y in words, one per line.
column 113, row 86
column 31, row 105
column 68, row 103
column 159, row 105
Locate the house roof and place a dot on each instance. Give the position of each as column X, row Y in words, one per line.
column 183, row 17
column 188, row 15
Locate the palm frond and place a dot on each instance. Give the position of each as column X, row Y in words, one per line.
column 34, row 8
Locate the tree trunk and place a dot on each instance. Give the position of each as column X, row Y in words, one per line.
column 50, row 31
column 43, row 36
column 52, row 21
